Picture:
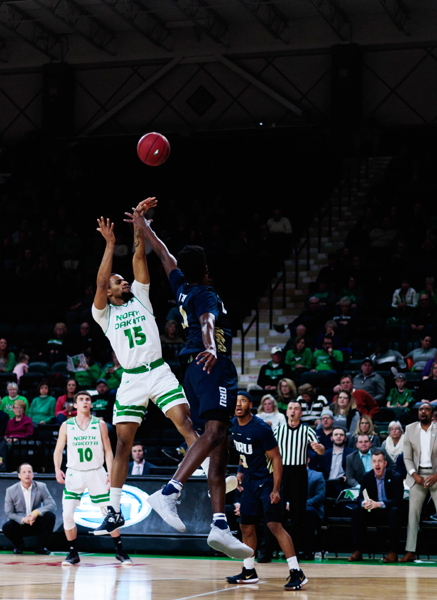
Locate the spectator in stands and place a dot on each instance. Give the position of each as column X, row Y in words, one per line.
column 326, row 363
column 299, row 358
column 400, row 397
column 422, row 318
column 7, row 357
column 325, row 428
column 325, row 295
column 280, row 231
column 384, row 357
column 55, row 349
column 330, row 331
column 286, row 391
column 81, row 342
column 138, row 465
column 370, row 382
column 20, row 426
column 420, row 457
column 331, row 273
column 22, row 366
column 315, row 511
column 273, row 371
column 171, row 333
column 87, row 379
column 365, row 425
column 404, row 299
column 30, row 510
column 430, row 289
column 103, row 403
column 70, row 390
column 394, row 443
column 364, row 402
column 428, row 386
column 420, row 356
column 333, row 463
column 68, row 412
column 269, row 413
column 311, row 403
column 354, row 293
column 359, row 461
column 8, row 401
column 385, row 492
column 345, row 412
column 112, row 372
column 42, row 408
column 312, row 317
column 171, row 343
column 344, row 316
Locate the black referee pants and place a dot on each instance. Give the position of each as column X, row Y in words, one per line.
column 295, row 492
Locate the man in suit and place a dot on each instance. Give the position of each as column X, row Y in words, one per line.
column 420, row 457
column 385, row 491
column 31, row 511
column 333, row 463
column 138, row 466
column 315, row 510
column 360, row 462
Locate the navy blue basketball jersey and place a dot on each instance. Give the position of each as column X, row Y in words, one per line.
column 194, row 300
column 252, row 441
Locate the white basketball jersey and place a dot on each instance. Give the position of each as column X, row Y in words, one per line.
column 131, row 328
column 84, row 446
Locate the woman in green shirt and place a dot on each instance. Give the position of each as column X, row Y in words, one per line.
column 8, row 401
column 7, row 357
column 88, row 378
column 299, row 358
column 42, row 408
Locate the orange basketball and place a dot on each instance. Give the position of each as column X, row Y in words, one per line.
column 153, row 149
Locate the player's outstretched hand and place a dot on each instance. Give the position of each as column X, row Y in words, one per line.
column 144, row 205
column 138, row 220
column 60, row 476
column 207, row 357
column 106, row 229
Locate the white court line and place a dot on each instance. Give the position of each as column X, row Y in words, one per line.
column 241, row 587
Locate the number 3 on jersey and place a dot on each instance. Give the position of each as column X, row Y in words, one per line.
column 135, row 336
column 243, row 461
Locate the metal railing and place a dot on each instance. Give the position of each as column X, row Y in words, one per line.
column 244, row 332
column 272, row 289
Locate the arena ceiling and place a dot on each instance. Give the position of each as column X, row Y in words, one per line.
column 34, row 32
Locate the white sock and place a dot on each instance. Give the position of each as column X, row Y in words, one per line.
column 114, row 498
column 292, row 563
column 249, row 563
column 205, row 465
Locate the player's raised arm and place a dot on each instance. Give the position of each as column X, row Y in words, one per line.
column 105, row 269
column 139, row 260
column 168, row 260
column 57, row 454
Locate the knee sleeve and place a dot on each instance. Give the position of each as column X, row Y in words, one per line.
column 68, row 508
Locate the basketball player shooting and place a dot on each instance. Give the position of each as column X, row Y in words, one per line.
column 125, row 314
column 210, row 381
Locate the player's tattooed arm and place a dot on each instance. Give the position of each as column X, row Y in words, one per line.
column 144, row 225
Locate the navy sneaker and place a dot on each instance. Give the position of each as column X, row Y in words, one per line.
column 246, row 576
column 123, row 557
column 72, row 559
column 295, row 580
column 111, row 522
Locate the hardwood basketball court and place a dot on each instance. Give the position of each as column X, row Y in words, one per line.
column 29, row 577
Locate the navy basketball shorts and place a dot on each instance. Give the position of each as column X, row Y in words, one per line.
column 255, row 502
column 214, row 393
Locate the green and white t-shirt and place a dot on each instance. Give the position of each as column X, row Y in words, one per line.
column 84, row 446
column 131, row 328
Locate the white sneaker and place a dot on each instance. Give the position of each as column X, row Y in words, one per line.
column 165, row 506
column 231, row 483
column 222, row 540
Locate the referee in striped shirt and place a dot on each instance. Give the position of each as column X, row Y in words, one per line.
column 294, row 438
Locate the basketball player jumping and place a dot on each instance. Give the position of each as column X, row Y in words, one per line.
column 88, row 447
column 125, row 314
column 210, row 381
